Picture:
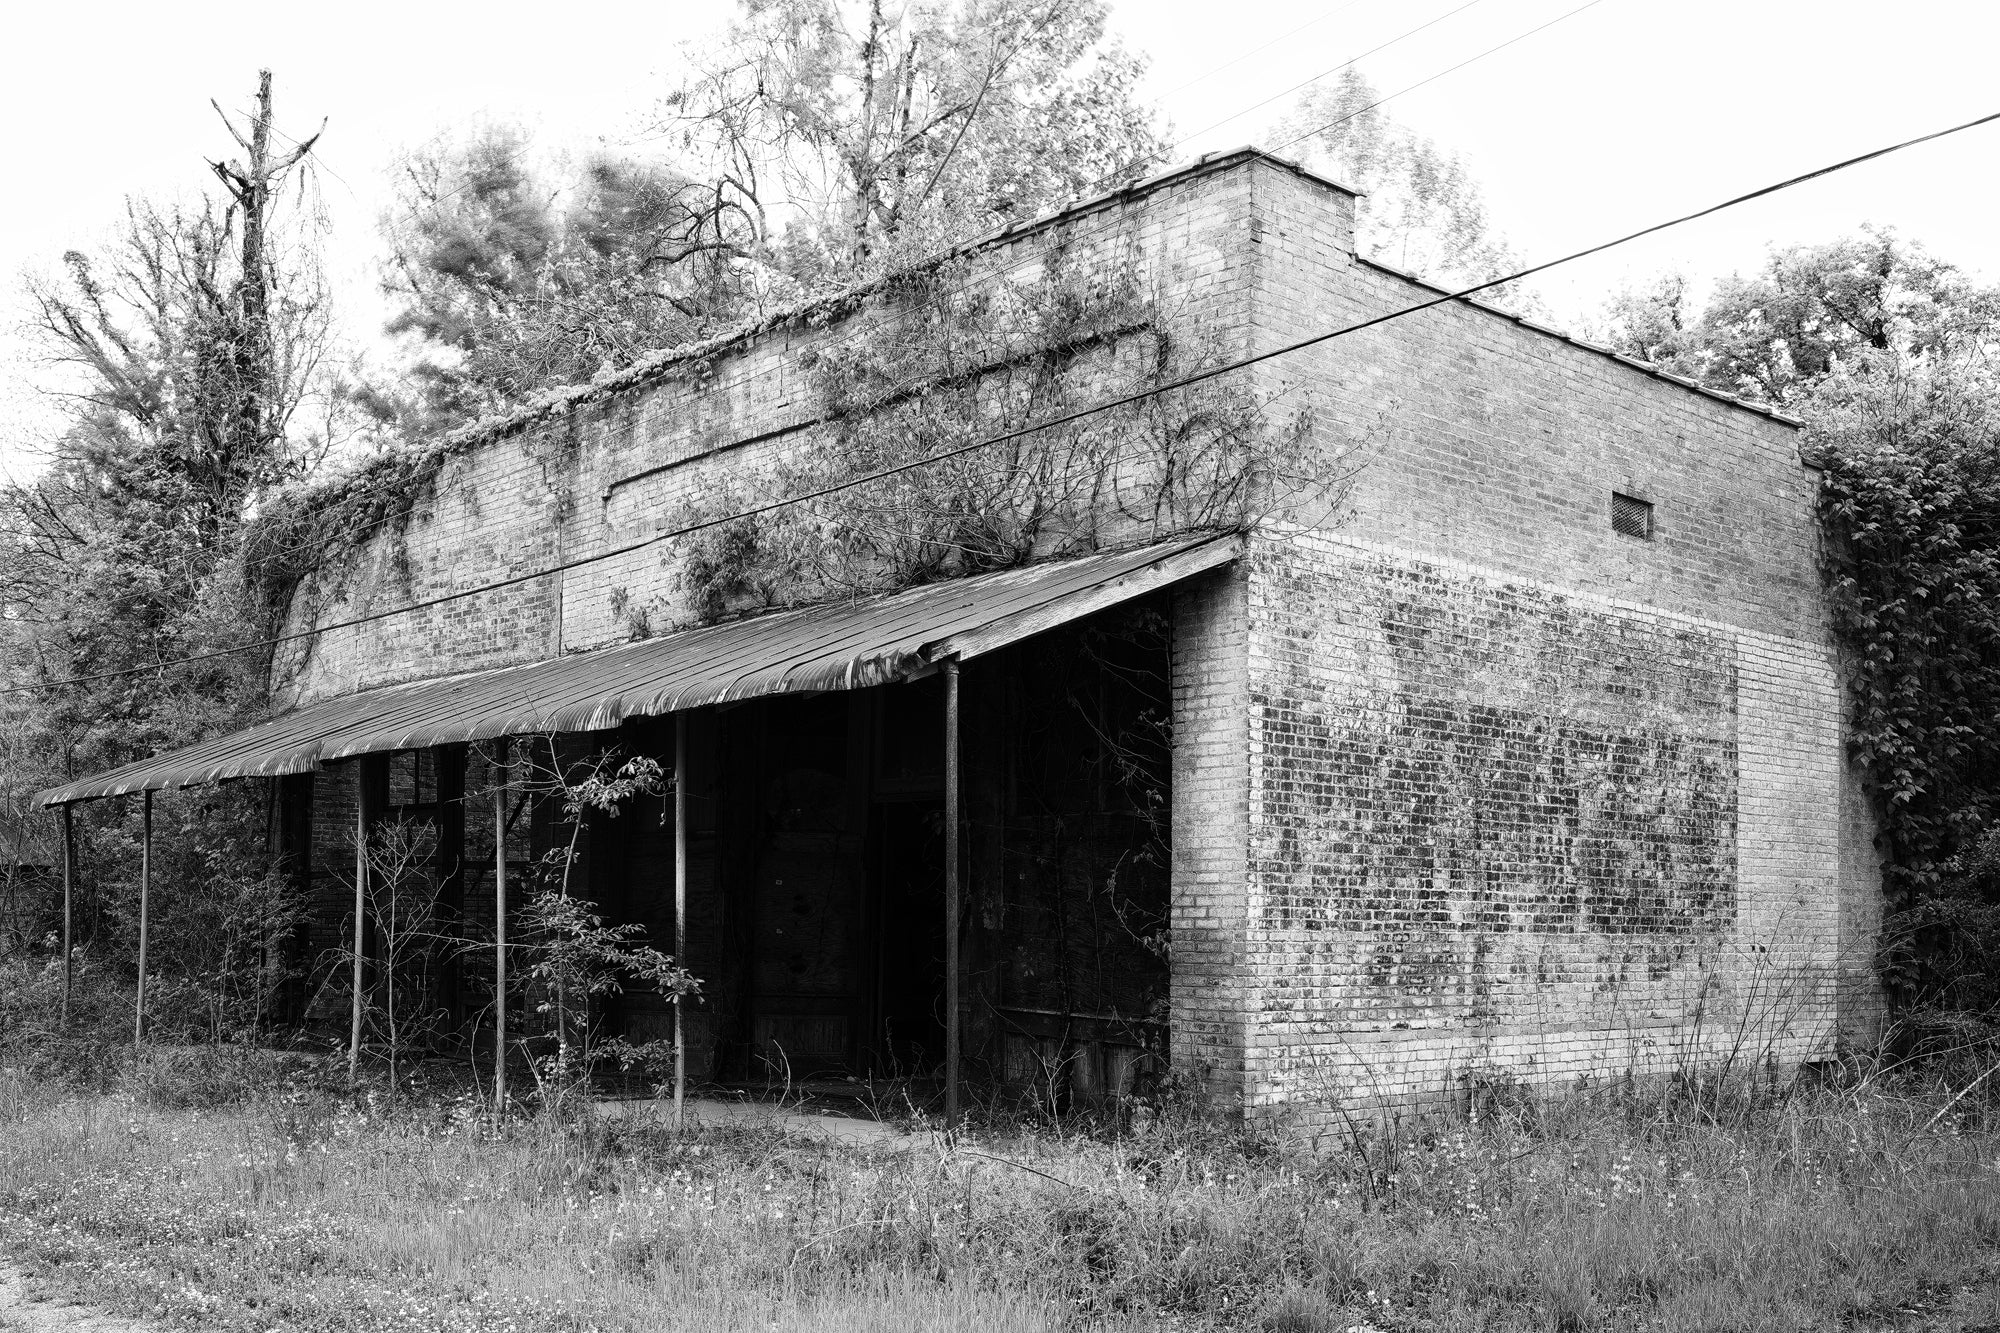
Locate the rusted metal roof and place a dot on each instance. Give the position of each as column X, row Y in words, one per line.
column 831, row 646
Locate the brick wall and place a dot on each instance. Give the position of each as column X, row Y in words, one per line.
column 1508, row 825
column 1526, row 792
column 1212, row 992
column 1463, row 777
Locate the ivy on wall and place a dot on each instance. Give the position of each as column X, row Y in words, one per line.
column 299, row 537
column 940, row 363
column 1910, row 507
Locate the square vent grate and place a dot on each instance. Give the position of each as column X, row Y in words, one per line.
column 1631, row 515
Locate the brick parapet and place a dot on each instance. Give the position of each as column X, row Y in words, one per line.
column 1470, row 435
column 597, row 475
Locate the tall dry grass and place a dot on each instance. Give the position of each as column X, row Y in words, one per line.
column 1837, row 1206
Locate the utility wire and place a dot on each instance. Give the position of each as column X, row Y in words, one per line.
column 987, row 278
column 994, row 275
column 1062, row 419
column 1491, row 50
column 1113, row 221
column 1258, row 106
column 1214, row 70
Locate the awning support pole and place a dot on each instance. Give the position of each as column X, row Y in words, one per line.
column 360, row 919
column 951, row 896
column 145, row 897
column 680, row 910
column 500, row 927
column 69, row 893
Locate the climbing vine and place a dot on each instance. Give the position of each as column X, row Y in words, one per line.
column 1911, row 511
column 298, row 534
column 941, row 363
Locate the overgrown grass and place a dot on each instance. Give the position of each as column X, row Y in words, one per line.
column 1837, row 1206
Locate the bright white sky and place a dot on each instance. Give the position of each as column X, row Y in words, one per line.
column 1624, row 114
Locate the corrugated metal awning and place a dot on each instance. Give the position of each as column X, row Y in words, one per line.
column 832, row 646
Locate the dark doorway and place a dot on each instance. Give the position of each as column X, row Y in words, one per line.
column 808, row 961
column 907, row 870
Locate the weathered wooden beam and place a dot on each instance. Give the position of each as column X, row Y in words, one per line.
column 500, row 926
column 145, row 903
column 1012, row 629
column 69, row 896
column 360, row 920
column 952, row 806
column 295, row 842
column 680, row 910
column 449, row 866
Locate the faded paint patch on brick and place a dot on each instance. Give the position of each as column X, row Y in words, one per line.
column 1498, row 823
column 1475, row 758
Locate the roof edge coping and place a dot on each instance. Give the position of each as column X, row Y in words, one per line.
column 1548, row 331
column 565, row 397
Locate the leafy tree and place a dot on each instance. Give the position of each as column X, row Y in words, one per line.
column 818, row 142
column 1911, row 506
column 1656, row 322
column 843, row 133
column 190, row 352
column 1421, row 210
column 189, row 355
column 576, row 960
column 1811, row 312
column 1883, row 350
column 515, row 272
column 1817, row 309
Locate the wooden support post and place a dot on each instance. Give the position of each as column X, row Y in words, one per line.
column 449, row 765
column 952, row 804
column 499, row 926
column 680, row 908
column 145, row 902
column 69, row 896
column 295, row 840
column 360, row 920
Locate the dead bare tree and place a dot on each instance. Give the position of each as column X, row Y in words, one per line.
column 251, row 183
column 181, row 356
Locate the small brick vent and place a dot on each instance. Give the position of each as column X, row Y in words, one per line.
column 1631, row 516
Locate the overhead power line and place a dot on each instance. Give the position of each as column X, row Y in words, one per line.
column 1234, row 61
column 993, row 275
column 1325, row 73
column 996, row 274
column 1049, row 423
column 1469, row 60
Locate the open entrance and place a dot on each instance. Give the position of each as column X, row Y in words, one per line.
column 820, row 930
column 816, row 871
column 907, row 864
column 838, row 836
column 792, row 868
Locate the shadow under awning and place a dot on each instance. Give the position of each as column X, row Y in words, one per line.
column 829, row 646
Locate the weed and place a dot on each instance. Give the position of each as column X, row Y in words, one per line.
column 1848, row 1199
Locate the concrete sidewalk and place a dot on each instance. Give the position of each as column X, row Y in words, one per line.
column 713, row 1113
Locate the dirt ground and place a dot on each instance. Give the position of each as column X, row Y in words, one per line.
column 22, row 1311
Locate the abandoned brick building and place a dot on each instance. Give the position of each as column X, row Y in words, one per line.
column 1506, row 743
